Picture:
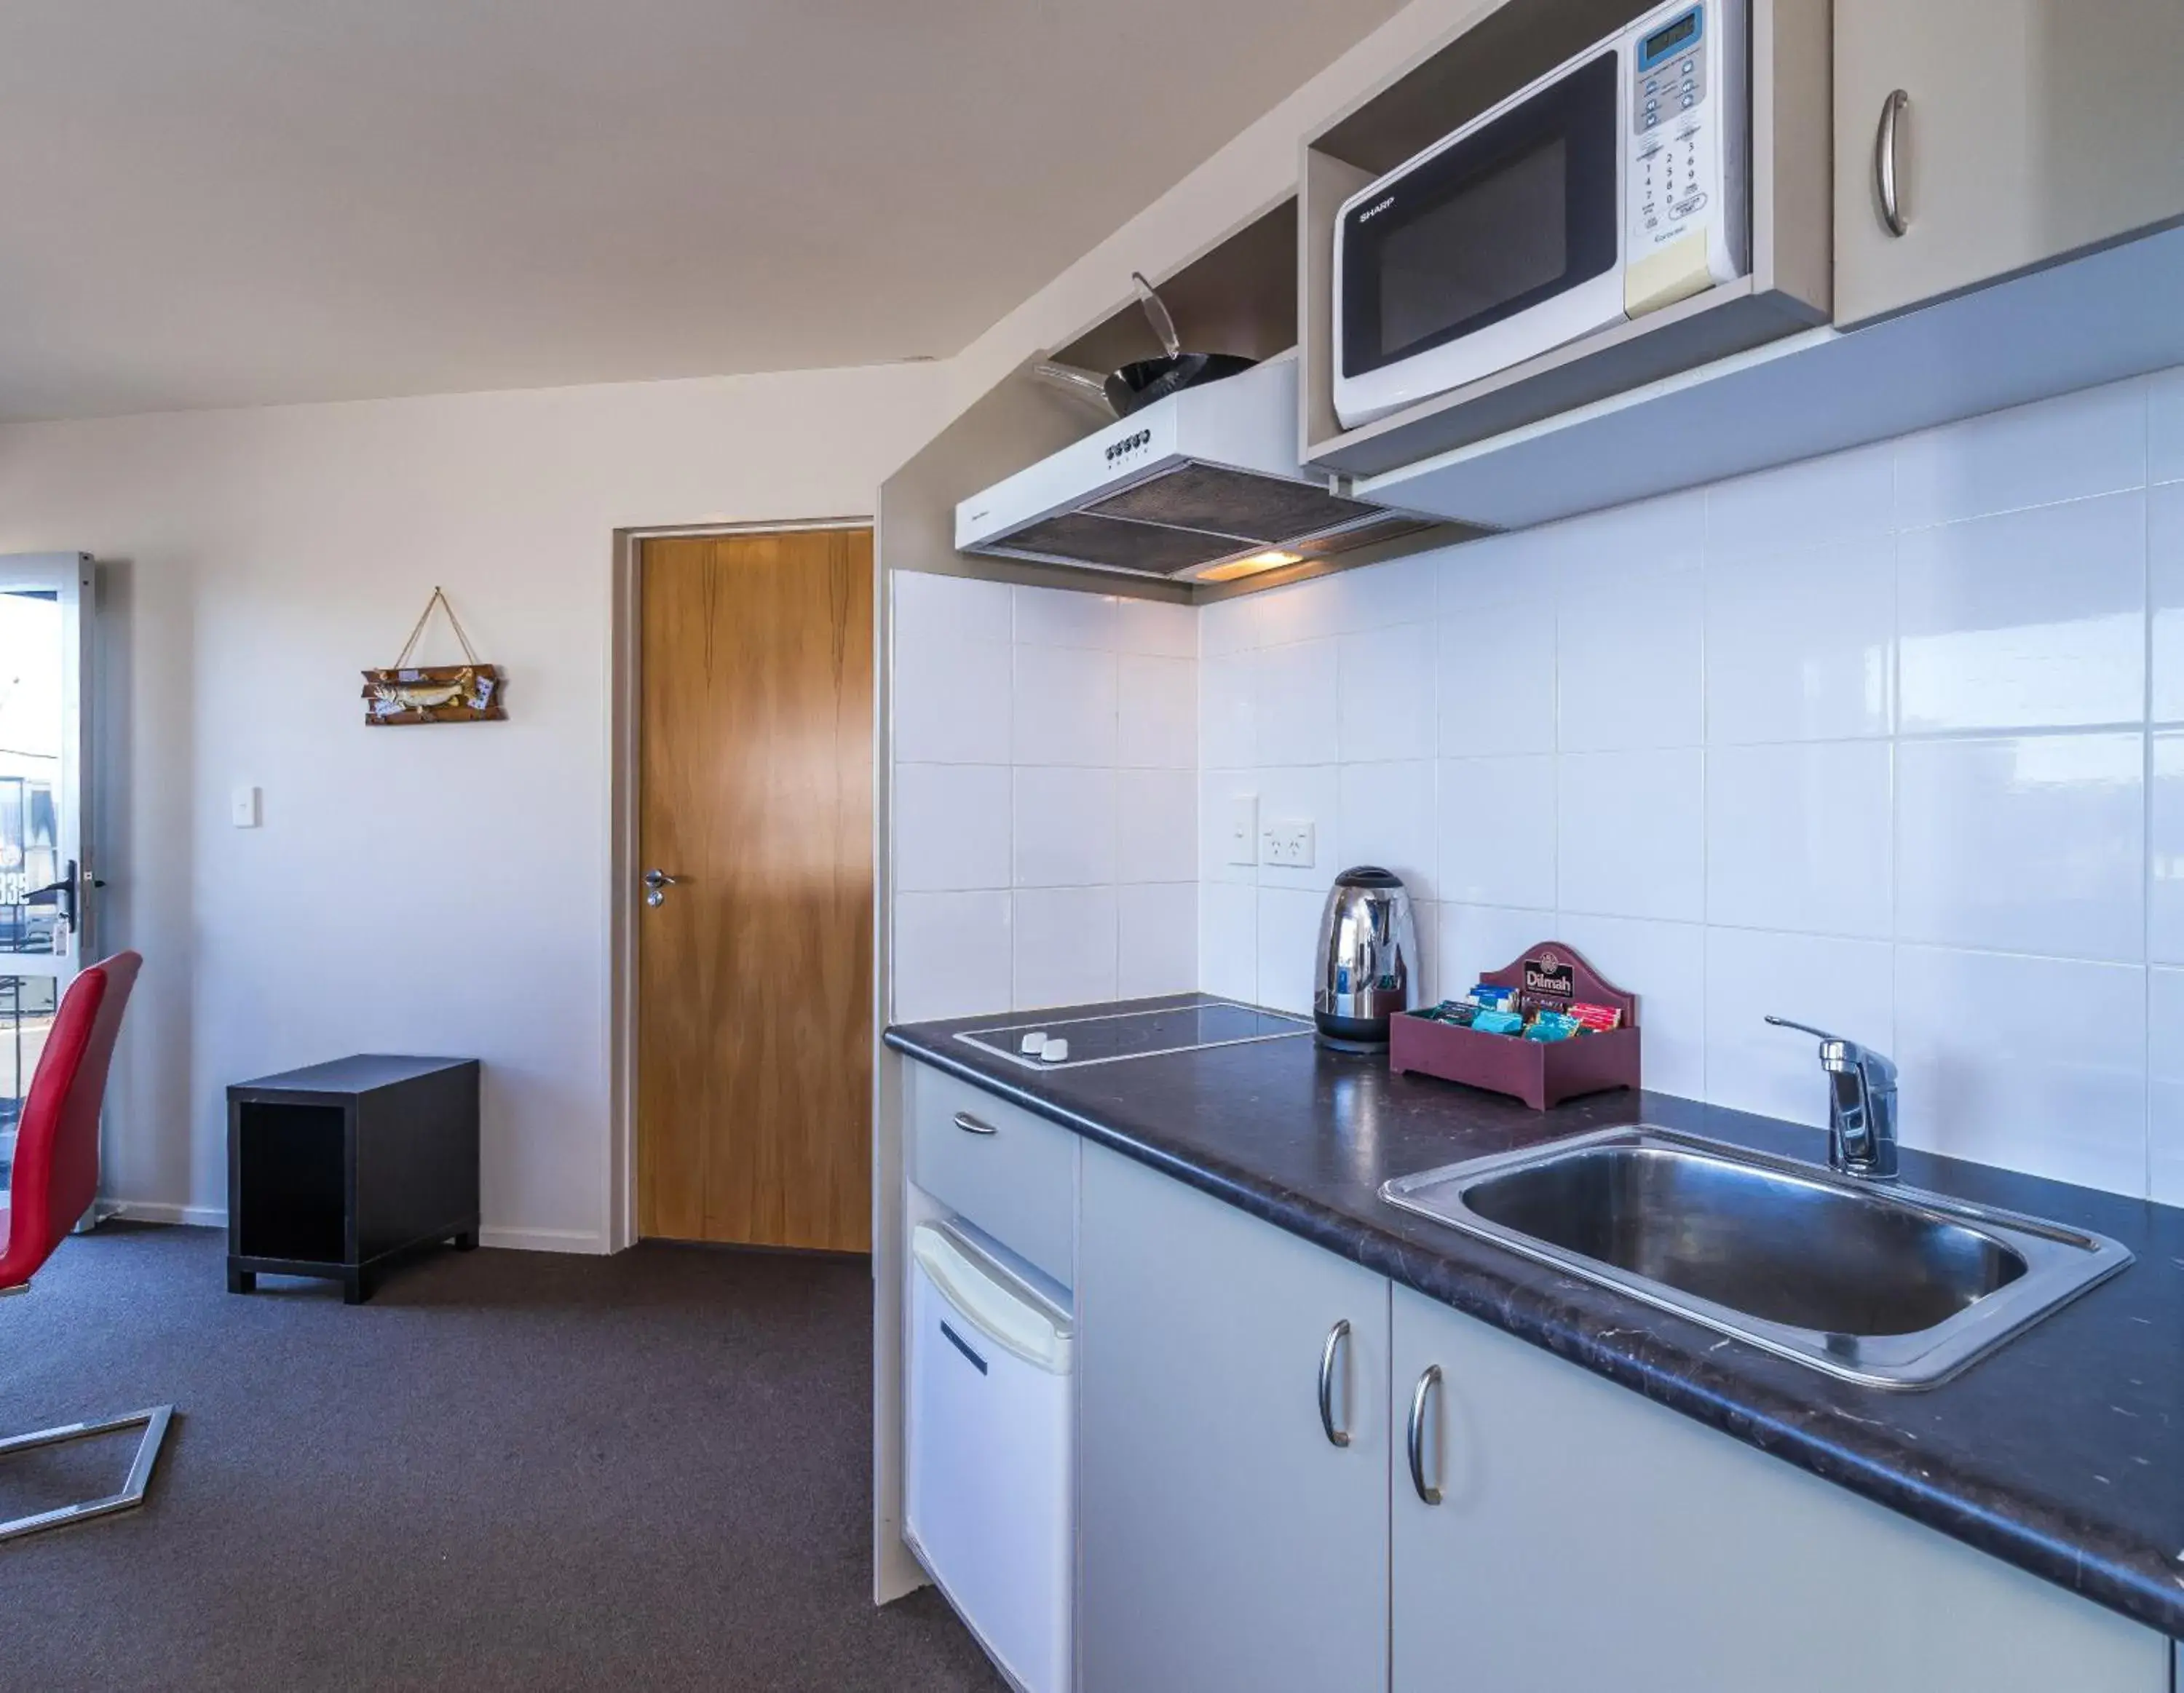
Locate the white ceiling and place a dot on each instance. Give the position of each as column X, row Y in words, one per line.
column 234, row 201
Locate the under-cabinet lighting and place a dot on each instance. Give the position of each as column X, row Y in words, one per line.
column 1248, row 567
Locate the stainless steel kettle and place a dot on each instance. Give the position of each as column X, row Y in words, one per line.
column 1368, row 960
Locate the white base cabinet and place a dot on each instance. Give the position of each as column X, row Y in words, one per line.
column 1586, row 1538
column 1227, row 1544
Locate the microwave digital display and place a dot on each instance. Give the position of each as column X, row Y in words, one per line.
column 1662, row 42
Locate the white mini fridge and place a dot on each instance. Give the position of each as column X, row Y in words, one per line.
column 990, row 1494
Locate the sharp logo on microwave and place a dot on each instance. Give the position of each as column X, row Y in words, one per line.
column 1378, row 207
column 1130, row 443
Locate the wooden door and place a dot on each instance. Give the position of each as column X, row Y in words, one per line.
column 755, row 969
column 1226, row 1543
column 2033, row 129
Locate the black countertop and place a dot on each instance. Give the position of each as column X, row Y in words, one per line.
column 2062, row 1453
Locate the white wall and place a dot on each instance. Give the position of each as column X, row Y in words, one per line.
column 1890, row 741
column 1046, row 797
column 433, row 890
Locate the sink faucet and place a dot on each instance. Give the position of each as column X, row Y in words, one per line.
column 1861, row 1104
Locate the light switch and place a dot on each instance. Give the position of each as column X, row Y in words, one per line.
column 243, row 808
column 1288, row 844
column 1243, row 829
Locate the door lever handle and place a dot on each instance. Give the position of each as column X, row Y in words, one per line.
column 656, row 884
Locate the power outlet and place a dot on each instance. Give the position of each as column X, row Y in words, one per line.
column 1288, row 843
column 1243, row 828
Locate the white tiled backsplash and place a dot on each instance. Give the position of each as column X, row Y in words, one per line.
column 1046, row 797
column 1891, row 742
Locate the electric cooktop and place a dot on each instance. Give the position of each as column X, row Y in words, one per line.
column 1200, row 1021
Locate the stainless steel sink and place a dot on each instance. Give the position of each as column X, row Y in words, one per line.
column 1885, row 1285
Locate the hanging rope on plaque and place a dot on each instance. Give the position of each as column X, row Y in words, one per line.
column 404, row 693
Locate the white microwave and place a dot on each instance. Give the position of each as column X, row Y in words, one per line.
column 1617, row 184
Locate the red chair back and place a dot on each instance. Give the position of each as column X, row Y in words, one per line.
column 56, row 1175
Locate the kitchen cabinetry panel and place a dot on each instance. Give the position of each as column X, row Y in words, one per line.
column 2033, row 129
column 1225, row 1542
column 1003, row 1170
column 1587, row 1539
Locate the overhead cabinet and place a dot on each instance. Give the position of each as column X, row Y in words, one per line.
column 1975, row 138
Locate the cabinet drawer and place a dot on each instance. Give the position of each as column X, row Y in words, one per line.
column 1017, row 1183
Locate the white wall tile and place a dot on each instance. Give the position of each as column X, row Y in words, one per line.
column 1303, row 794
column 1632, row 829
column 1229, row 940
column 1227, row 626
column 1289, row 938
column 1801, row 838
column 1630, row 616
column 2165, row 427
column 1385, row 816
column 2164, row 579
column 1846, row 987
column 1386, row 687
column 936, row 607
column 1474, row 940
column 1217, row 791
column 952, row 697
column 1156, row 628
column 952, row 954
column 1302, row 612
column 1155, row 826
column 1156, row 711
column 1845, row 496
column 1294, row 703
column 1495, row 675
column 1664, row 965
column 2164, row 839
column 1063, row 617
column 1802, row 646
column 2085, row 443
column 2032, row 619
column 1157, row 941
column 1065, row 827
column 951, row 826
column 1064, row 707
column 2164, row 1047
column 2024, row 844
column 1400, row 591
column 1497, row 831
column 1065, row 946
column 1988, row 1074
column 1228, row 720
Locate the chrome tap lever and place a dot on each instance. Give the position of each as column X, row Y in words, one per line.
column 1861, row 1104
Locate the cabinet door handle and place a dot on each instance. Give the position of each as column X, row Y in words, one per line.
column 1335, row 1337
column 1884, row 162
column 1416, row 1440
column 971, row 1125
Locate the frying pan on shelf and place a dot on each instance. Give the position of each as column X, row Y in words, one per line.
column 1143, row 381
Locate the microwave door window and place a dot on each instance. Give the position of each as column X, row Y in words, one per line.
column 1503, row 236
column 1521, row 210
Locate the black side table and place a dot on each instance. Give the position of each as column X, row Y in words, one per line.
column 335, row 1169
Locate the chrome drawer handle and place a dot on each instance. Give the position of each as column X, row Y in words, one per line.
column 1335, row 1337
column 1884, row 163
column 1416, row 1441
column 971, row 1125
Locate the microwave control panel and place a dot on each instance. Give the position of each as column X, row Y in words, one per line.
column 1676, row 186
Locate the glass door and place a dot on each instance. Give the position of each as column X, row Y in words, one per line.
column 45, row 883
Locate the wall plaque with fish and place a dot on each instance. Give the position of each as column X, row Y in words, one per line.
column 404, row 693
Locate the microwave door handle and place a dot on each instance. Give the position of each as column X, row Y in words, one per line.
column 1885, row 155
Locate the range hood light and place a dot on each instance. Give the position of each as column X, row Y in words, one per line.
column 1246, row 567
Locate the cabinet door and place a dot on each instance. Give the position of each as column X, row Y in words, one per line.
column 2032, row 128
column 1588, row 1538
column 1225, row 1542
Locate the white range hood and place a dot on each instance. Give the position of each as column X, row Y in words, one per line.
column 1192, row 486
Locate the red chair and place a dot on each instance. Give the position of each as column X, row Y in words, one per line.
column 56, row 1177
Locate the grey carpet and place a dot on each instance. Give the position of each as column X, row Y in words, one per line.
column 507, row 1470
